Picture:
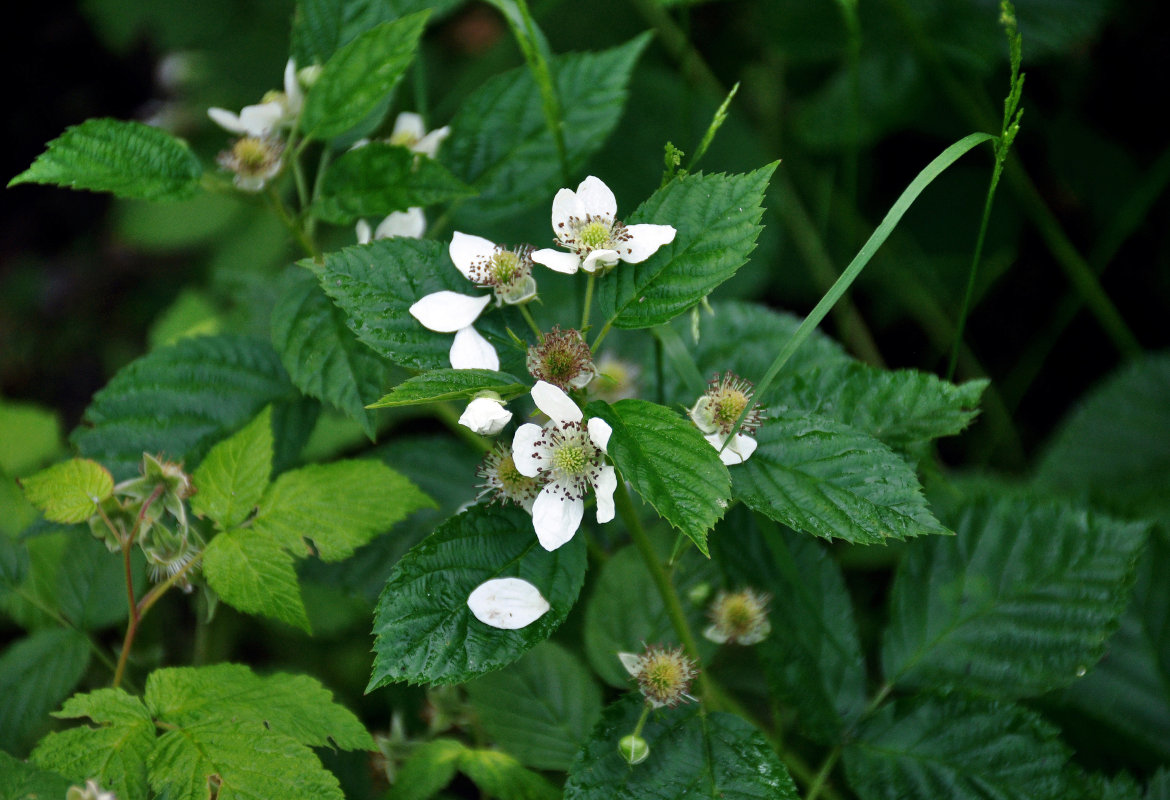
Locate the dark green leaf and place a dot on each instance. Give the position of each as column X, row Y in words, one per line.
column 1020, row 601
column 21, row 781
column 251, row 571
column 717, row 221
column 37, row 673
column 91, row 583
column 669, row 463
column 451, row 384
column 128, row 159
column 425, row 631
column 714, row 756
column 231, row 480
column 824, row 478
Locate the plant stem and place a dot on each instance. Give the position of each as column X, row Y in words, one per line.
column 965, row 309
column 524, row 312
column 290, row 223
column 588, row 302
column 601, row 335
column 822, row 776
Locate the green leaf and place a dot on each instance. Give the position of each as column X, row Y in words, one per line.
column 669, row 463
column 812, row 658
column 233, row 476
column 320, row 353
column 36, row 673
column 957, row 748
column 1019, row 602
column 359, row 76
column 91, row 582
column 70, row 491
column 321, row 26
column 21, row 781
column 430, row 768
column 29, row 436
column 128, row 159
column 296, row 706
column 378, row 178
column 425, row 631
column 251, row 571
column 180, row 401
column 692, row 756
column 249, row 761
column 541, row 709
column 500, row 143
column 499, row 775
column 339, row 506
column 376, row 284
column 114, row 753
column 451, row 384
column 625, row 611
column 1115, row 447
column 824, row 478
column 900, row 408
column 717, row 221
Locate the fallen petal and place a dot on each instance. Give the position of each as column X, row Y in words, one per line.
column 507, row 603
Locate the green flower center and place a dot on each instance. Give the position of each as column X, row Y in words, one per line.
column 505, row 266
column 404, row 139
column 595, row 235
column 252, row 153
column 729, row 406
column 571, row 459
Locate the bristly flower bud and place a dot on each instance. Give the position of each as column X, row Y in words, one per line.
column 663, row 675
column 634, row 749
column 504, row 482
column 167, row 553
column 563, row 359
column 739, row 618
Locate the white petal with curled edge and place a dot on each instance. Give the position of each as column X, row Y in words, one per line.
column 429, row 144
column 565, row 206
column 472, row 351
column 363, row 232
column 292, row 88
column 599, row 432
column 466, row 250
column 409, row 224
column 447, row 312
column 600, row 259
column 596, row 198
column 260, row 120
column 226, row 120
column 524, row 452
column 738, row 450
column 645, row 240
column 604, row 486
column 632, row 662
column 555, row 518
column 408, row 124
column 554, row 403
column 565, row 263
column 507, row 603
column 485, row 416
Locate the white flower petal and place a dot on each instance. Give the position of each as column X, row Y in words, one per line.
column 485, row 416
column 555, row 403
column 472, row 351
column 429, row 144
column 555, row 518
column 604, row 486
column 737, row 451
column 524, row 453
column 507, row 603
column 743, row 446
column 567, row 263
column 226, row 120
column 599, row 432
column 409, row 224
column 645, row 240
column 260, row 120
column 447, row 312
column 712, row 633
column 466, row 250
column 408, row 124
column 596, row 198
column 565, row 205
column 600, row 259
column 632, row 662
column 292, row 88
column 362, row 229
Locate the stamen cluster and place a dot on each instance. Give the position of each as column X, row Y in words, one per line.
column 506, row 272
column 664, row 675
column 593, row 232
column 254, row 160
column 504, row 482
column 739, row 617
column 721, row 405
column 568, row 459
column 563, row 359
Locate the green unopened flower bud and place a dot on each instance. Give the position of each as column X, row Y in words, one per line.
column 633, row 749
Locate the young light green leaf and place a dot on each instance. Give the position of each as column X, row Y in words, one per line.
column 430, row 768
column 1019, row 602
column 338, row 506
column 424, row 629
column 70, row 491
column 128, row 159
column 812, row 658
column 451, row 384
column 21, row 781
column 29, row 436
column 824, row 478
column 692, row 756
column 321, row 354
column 500, row 143
column 360, row 75
column 378, row 178
column 251, row 571
column 499, row 775
column 180, row 401
column 716, row 218
column 296, row 706
column 233, row 476
column 957, row 748
column 36, row 673
column 669, row 463
column 541, row 709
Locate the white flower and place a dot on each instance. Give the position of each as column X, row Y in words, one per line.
column 569, row 455
column 451, row 312
column 737, row 451
column 486, row 415
column 260, row 120
column 410, row 132
column 91, row 791
column 409, row 224
column 508, row 273
column 507, row 603
column 719, row 408
column 585, row 223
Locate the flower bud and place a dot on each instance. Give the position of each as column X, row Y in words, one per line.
column 739, row 618
column 486, row 414
column 633, row 749
column 563, row 359
column 663, row 675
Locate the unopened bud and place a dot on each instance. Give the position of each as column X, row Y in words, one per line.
column 633, row 749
